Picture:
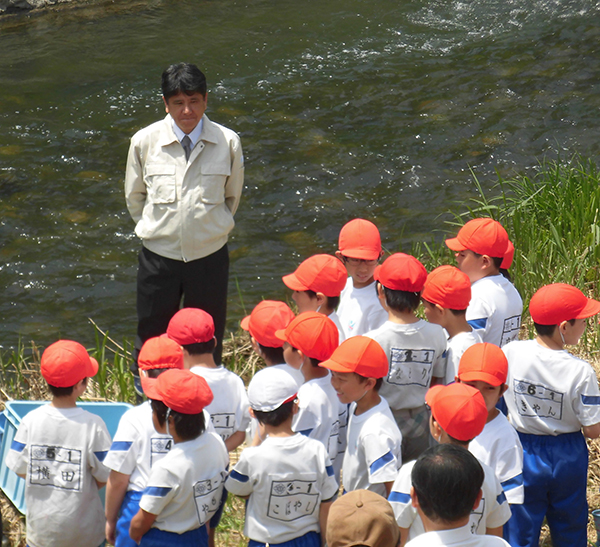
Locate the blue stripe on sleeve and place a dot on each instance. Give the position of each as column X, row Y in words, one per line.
column 590, row 400
column 501, row 498
column 399, row 497
column 157, row 491
column 101, row 455
column 478, row 323
column 380, row 462
column 515, row 482
column 239, row 476
column 305, row 432
column 17, row 446
column 119, row 446
column 329, row 470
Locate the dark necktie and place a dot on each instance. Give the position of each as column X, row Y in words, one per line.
column 186, row 142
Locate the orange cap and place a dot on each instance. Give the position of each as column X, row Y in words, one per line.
column 314, row 334
column 361, row 355
column 159, row 352
column 508, row 256
column 182, row 391
column 448, row 287
column 267, row 317
column 553, row 304
column 484, row 236
column 66, row 362
column 459, row 409
column 319, row 273
column 360, row 238
column 401, row 272
column 485, row 363
column 191, row 326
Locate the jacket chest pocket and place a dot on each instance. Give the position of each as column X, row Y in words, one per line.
column 214, row 179
column 160, row 181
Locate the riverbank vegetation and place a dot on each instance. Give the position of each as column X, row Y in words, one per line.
column 552, row 217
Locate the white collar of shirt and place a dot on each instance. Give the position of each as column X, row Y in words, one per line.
column 194, row 135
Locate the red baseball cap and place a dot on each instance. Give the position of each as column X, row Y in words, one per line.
column 484, row 236
column 160, row 352
column 182, row 391
column 361, row 355
column 319, row 273
column 267, row 317
column 508, row 256
column 553, row 304
column 401, row 272
column 314, row 334
column 448, row 287
column 485, row 363
column 191, row 326
column 459, row 409
column 360, row 238
column 66, row 362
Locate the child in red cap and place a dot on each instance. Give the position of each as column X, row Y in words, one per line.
column 446, row 296
column 288, row 480
column 484, row 367
column 458, row 415
column 317, row 284
column 415, row 349
column 552, row 398
column 496, row 306
column 185, row 487
column 373, row 454
column 59, row 450
column 359, row 248
column 309, row 340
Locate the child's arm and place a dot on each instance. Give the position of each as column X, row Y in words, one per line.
column 140, row 524
column 403, row 536
column 115, row 492
column 591, row 431
column 235, row 440
column 388, row 487
column 494, row 531
column 323, row 514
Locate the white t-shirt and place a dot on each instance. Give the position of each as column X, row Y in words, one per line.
column 360, row 310
column 416, row 352
column 185, row 487
column 137, row 446
column 495, row 310
column 457, row 345
column 318, row 413
column 335, row 318
column 374, row 451
column 493, row 509
column 550, row 392
column 229, row 407
column 61, row 451
column 499, row 446
column 457, row 537
column 342, row 439
column 286, row 478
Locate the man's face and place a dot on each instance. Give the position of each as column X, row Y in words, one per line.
column 186, row 110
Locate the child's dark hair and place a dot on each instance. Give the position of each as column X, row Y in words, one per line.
column 454, row 312
column 314, row 362
column 363, row 379
column 332, row 301
column 62, row 391
column 497, row 261
column 201, row 347
column 187, row 426
column 274, row 355
column 548, row 330
column 401, row 301
column 275, row 417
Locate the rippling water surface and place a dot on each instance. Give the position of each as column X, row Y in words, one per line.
column 345, row 108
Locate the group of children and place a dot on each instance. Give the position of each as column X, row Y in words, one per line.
column 355, row 388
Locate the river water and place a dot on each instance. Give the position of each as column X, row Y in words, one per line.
column 345, row 108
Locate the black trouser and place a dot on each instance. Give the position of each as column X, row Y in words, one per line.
column 161, row 284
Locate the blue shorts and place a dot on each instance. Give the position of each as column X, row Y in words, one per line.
column 129, row 508
column 311, row 539
column 159, row 538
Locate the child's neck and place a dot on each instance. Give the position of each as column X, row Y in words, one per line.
column 492, row 415
column 359, row 285
column 456, row 324
column 68, row 401
column 402, row 317
column 551, row 342
column 311, row 373
column 368, row 401
column 282, row 430
column 205, row 360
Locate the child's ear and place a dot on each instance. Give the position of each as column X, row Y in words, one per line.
column 413, row 498
column 255, row 346
column 251, row 412
column 321, row 299
column 503, row 390
column 370, row 383
column 486, row 262
column 339, row 255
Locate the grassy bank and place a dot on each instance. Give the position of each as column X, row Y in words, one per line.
column 552, row 217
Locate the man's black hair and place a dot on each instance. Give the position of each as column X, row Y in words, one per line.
column 378, row 381
column 332, row 301
column 62, row 391
column 447, row 480
column 548, row 330
column 201, row 348
column 275, row 417
column 187, row 426
column 183, row 78
column 401, row 301
column 274, row 355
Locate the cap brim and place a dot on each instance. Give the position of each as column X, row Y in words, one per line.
column 454, row 245
column 292, row 282
column 335, row 366
column 479, row 376
column 361, row 254
column 149, row 386
column 591, row 308
column 245, row 323
column 280, row 334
